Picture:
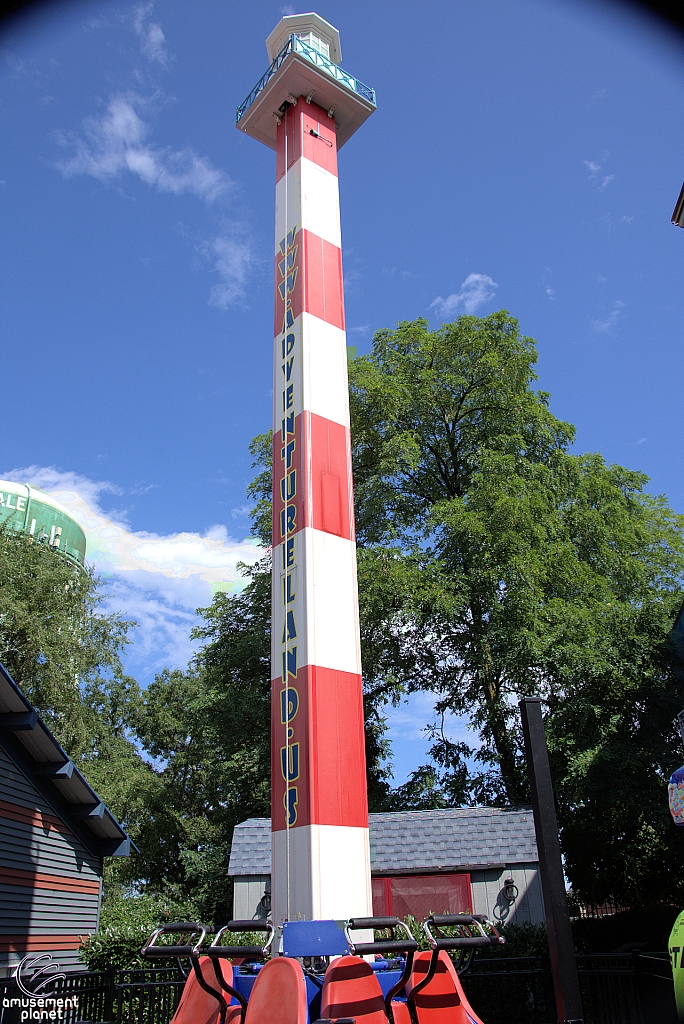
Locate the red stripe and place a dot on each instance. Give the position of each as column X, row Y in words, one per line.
column 28, row 816
column 37, row 943
column 328, row 726
column 39, row 880
column 294, row 135
column 323, row 490
column 311, row 283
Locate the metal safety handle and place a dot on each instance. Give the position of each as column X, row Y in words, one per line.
column 249, row 952
column 151, row 951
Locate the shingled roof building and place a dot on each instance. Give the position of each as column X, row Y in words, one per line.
column 422, row 862
column 54, row 832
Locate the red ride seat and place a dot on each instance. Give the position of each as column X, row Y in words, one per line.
column 199, row 1007
column 443, row 1000
column 351, row 989
column 279, row 994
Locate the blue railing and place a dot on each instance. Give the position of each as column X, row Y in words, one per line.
column 296, row 45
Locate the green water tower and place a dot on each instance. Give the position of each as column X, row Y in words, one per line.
column 31, row 511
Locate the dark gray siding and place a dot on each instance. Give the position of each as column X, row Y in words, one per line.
column 49, row 883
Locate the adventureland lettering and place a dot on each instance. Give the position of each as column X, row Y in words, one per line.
column 286, row 484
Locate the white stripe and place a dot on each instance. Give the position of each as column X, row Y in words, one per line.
column 325, row 605
column 313, row 201
column 329, row 873
column 319, row 370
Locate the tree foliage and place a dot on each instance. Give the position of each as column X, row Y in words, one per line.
column 495, row 563
column 53, row 639
column 208, row 730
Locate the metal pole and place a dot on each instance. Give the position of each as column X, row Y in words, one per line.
column 563, row 966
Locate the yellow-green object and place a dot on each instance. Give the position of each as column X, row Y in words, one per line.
column 676, row 950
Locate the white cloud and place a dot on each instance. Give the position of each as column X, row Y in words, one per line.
column 165, row 617
column 598, row 180
column 232, row 257
column 551, row 292
column 50, row 479
column 152, row 41
column 476, row 291
column 117, row 142
column 237, row 513
column 158, row 580
column 605, row 324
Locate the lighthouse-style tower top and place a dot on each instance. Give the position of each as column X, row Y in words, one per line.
column 312, row 29
column 305, row 52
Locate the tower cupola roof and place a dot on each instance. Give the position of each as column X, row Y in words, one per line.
column 312, row 29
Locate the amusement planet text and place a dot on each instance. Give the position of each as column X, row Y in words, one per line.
column 46, row 1008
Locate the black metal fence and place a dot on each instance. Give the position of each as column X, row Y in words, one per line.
column 148, row 996
column 616, row 989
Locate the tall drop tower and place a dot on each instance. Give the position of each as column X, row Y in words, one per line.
column 305, row 107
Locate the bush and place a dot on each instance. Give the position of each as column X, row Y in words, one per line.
column 523, row 939
column 126, row 921
column 114, row 949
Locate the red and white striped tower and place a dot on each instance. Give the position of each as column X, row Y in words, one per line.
column 305, row 107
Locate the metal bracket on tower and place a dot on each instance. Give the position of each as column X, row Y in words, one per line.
column 310, row 96
column 331, row 112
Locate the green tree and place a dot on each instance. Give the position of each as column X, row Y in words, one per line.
column 54, row 640
column 208, row 731
column 494, row 563
column 65, row 654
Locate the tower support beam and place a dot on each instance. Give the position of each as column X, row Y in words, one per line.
column 321, row 859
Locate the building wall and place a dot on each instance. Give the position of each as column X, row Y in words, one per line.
column 247, row 894
column 489, row 899
column 49, row 883
column 487, row 894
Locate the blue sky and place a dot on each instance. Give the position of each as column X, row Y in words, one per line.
column 524, row 155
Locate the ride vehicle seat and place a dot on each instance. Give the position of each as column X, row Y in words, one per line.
column 434, row 991
column 200, row 1002
column 199, row 1005
column 219, row 953
column 351, row 988
column 278, row 995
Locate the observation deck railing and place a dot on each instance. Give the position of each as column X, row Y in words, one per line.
column 319, row 60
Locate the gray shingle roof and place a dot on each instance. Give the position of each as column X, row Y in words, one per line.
column 467, row 837
column 250, row 853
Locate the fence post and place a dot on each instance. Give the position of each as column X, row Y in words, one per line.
column 563, row 966
column 547, row 984
column 109, row 995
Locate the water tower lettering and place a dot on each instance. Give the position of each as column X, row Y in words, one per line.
column 6, row 502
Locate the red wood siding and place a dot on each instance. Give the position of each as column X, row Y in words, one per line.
column 421, row 895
